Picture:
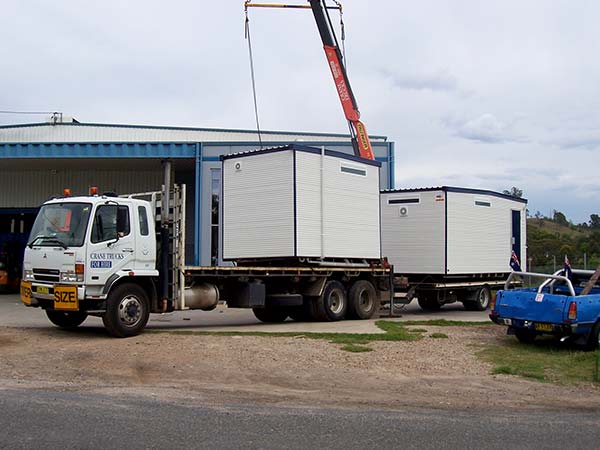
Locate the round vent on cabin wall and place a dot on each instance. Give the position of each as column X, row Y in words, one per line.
column 403, row 211
column 238, row 166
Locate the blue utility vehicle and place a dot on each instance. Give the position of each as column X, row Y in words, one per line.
column 557, row 307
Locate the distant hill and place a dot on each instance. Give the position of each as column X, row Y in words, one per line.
column 549, row 241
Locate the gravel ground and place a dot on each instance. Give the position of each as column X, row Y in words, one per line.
column 290, row 371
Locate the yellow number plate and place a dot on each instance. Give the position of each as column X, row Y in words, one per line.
column 543, row 326
column 42, row 290
column 65, row 297
column 26, row 292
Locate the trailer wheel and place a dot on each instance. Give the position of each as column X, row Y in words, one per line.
column 428, row 302
column 481, row 300
column 66, row 319
column 363, row 301
column 270, row 315
column 332, row 304
column 127, row 311
column 525, row 336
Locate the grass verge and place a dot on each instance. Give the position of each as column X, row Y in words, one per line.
column 351, row 342
column 445, row 323
column 438, row 336
column 545, row 361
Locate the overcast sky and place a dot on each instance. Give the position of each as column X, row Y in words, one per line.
column 474, row 94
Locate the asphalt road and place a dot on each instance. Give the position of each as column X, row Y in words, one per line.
column 14, row 314
column 35, row 419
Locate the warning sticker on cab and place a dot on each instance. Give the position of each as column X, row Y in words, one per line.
column 100, row 264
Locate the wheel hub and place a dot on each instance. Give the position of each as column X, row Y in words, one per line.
column 365, row 300
column 130, row 310
column 335, row 302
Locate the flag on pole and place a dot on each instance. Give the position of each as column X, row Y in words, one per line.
column 567, row 270
column 514, row 262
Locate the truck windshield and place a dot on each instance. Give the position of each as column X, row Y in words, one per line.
column 60, row 225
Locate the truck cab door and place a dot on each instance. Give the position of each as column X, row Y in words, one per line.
column 112, row 243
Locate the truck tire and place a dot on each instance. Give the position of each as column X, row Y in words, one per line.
column 428, row 302
column 127, row 311
column 300, row 313
column 66, row 319
column 332, row 304
column 480, row 301
column 363, row 301
column 270, row 315
column 525, row 336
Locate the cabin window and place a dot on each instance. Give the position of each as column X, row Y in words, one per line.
column 354, row 171
column 144, row 231
column 404, row 201
column 485, row 203
column 110, row 222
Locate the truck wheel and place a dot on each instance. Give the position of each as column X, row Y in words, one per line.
column 525, row 336
column 363, row 301
column 66, row 319
column 481, row 302
column 127, row 311
column 300, row 313
column 428, row 302
column 270, row 315
column 332, row 304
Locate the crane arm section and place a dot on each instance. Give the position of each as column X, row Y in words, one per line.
column 360, row 138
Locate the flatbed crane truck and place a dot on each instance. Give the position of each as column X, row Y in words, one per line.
column 105, row 256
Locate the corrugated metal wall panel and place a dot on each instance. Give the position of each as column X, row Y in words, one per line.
column 30, row 188
column 413, row 234
column 258, row 206
column 351, row 209
column 101, row 133
column 308, row 204
column 480, row 237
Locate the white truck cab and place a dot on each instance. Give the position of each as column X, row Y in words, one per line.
column 83, row 249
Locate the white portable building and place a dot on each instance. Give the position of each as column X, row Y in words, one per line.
column 299, row 201
column 450, row 231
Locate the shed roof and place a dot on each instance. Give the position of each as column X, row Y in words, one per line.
column 456, row 189
column 94, row 132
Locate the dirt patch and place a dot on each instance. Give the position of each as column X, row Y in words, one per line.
column 297, row 371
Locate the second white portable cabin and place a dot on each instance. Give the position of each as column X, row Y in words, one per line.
column 451, row 231
column 300, row 202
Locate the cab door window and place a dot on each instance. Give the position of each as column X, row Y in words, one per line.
column 111, row 222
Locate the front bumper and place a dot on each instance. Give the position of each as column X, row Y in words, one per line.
column 42, row 296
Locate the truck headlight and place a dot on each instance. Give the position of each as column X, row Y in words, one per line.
column 69, row 275
column 28, row 275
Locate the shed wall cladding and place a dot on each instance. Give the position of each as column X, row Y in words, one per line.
column 30, row 188
column 258, row 206
column 413, row 231
column 260, row 198
column 480, row 233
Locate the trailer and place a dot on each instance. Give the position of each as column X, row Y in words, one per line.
column 450, row 244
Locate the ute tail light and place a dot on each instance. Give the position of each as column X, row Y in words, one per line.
column 493, row 302
column 572, row 311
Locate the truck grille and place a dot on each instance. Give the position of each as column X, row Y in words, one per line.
column 46, row 275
